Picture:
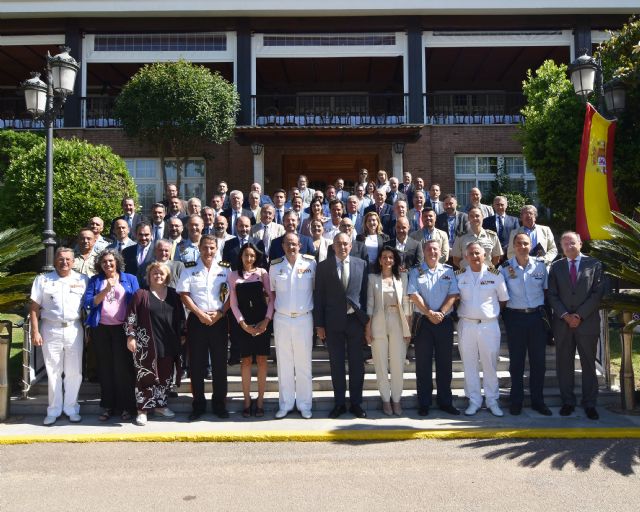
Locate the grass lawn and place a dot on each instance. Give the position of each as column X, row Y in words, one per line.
column 616, row 353
column 15, row 354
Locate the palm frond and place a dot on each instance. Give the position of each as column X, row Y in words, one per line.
column 16, row 244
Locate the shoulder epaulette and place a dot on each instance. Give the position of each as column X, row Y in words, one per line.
column 277, row 260
column 494, row 270
column 506, row 264
column 190, row 264
column 460, row 271
column 308, row 257
column 491, row 231
column 225, row 264
column 446, row 266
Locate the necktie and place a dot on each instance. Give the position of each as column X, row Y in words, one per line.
column 573, row 273
column 500, row 228
column 278, row 217
column 120, row 246
column 156, row 233
column 266, row 239
column 129, row 222
column 427, row 234
column 345, row 274
column 419, row 215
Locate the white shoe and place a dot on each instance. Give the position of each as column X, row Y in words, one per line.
column 306, row 414
column 50, row 420
column 75, row 418
column 496, row 411
column 471, row 410
column 141, row 419
column 281, row 414
column 165, row 412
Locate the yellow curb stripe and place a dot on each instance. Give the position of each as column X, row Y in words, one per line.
column 329, row 435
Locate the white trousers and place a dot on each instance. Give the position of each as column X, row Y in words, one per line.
column 294, row 343
column 62, row 351
column 389, row 350
column 480, row 341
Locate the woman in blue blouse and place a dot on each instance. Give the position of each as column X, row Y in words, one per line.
column 108, row 294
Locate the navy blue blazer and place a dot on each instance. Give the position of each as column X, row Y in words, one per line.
column 510, row 223
column 232, row 250
column 331, row 301
column 277, row 251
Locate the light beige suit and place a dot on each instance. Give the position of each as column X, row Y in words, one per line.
column 545, row 239
column 440, row 236
column 389, row 328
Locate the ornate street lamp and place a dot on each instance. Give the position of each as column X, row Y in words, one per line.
column 615, row 96
column 44, row 101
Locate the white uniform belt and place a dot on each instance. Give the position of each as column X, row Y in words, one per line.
column 479, row 320
column 292, row 315
column 58, row 323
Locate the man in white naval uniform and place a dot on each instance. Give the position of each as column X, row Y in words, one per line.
column 56, row 298
column 482, row 293
column 292, row 279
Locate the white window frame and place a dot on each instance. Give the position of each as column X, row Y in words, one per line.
column 479, row 178
column 191, row 182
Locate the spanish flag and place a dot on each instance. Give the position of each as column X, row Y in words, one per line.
column 595, row 198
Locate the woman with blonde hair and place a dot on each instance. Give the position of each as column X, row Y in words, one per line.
column 372, row 236
column 387, row 331
column 154, row 327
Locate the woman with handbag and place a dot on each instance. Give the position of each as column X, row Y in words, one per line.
column 252, row 302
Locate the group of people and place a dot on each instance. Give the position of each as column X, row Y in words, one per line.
column 385, row 266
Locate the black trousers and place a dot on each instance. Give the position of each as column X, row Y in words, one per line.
column 434, row 339
column 526, row 333
column 347, row 343
column 208, row 341
column 115, row 368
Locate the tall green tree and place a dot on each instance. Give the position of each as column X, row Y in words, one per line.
column 88, row 181
column 177, row 107
column 551, row 139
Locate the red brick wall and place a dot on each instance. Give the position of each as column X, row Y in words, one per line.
column 431, row 157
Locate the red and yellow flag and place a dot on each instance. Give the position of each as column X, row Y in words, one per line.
column 596, row 199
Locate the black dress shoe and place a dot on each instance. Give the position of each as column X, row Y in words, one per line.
column 423, row 411
column 591, row 413
column 515, row 409
column 195, row 416
column 542, row 409
column 337, row 411
column 357, row 411
column 566, row 410
column 208, row 375
column 221, row 413
column 233, row 361
column 450, row 409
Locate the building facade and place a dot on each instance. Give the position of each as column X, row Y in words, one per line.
column 434, row 88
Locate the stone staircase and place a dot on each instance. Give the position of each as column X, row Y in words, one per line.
column 322, row 388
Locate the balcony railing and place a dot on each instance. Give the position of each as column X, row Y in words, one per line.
column 13, row 114
column 97, row 112
column 474, row 108
column 329, row 109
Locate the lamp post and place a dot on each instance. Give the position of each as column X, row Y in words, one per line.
column 586, row 76
column 44, row 101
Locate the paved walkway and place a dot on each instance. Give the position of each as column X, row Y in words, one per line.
column 29, row 429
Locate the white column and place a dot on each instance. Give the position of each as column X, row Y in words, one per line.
column 258, row 168
column 397, row 161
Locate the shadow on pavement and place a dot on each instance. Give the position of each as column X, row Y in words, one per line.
column 621, row 456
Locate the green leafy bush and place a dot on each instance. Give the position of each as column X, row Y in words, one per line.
column 88, row 181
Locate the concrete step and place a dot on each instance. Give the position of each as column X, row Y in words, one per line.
column 322, row 401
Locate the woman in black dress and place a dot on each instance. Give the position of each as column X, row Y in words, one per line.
column 252, row 305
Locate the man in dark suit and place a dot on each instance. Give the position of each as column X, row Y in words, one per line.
column 394, row 193
column 382, row 208
column 452, row 222
column 136, row 255
column 339, row 314
column 358, row 249
column 161, row 253
column 407, row 188
column 576, row 287
column 232, row 246
column 236, row 210
column 159, row 227
column 501, row 223
column 129, row 214
column 410, row 250
column 291, row 221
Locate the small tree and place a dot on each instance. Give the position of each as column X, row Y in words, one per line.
column 88, row 181
column 551, row 138
column 13, row 144
column 177, row 107
column 15, row 245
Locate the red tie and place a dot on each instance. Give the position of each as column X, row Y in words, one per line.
column 573, row 273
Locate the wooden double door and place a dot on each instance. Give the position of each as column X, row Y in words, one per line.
column 323, row 170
